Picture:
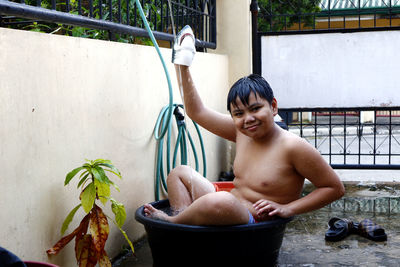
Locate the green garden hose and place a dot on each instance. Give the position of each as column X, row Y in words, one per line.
column 181, row 147
column 164, row 121
column 146, row 24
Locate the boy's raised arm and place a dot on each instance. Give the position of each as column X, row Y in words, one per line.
column 182, row 56
column 215, row 122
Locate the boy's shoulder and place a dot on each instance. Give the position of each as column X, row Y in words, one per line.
column 293, row 142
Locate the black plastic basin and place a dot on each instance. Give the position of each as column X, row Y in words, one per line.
column 187, row 245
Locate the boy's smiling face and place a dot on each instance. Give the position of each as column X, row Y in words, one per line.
column 255, row 119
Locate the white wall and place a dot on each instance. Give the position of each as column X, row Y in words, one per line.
column 64, row 99
column 334, row 69
column 234, row 36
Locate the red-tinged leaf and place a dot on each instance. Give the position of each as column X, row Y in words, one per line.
column 66, row 239
column 104, row 261
column 98, row 228
column 79, row 235
column 86, row 252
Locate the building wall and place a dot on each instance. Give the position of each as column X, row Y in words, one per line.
column 234, row 36
column 65, row 99
column 333, row 69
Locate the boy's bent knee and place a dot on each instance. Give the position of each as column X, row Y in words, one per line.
column 224, row 207
column 178, row 172
column 222, row 202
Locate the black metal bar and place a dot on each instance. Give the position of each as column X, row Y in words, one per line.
column 315, row 130
column 255, row 38
column 374, row 152
column 301, row 123
column 119, row 12
column 359, row 132
column 91, row 8
column 341, row 109
column 330, row 137
column 214, row 22
column 31, row 12
column 101, row 9
column 127, row 13
column 390, row 135
column 344, row 139
column 334, row 30
column 366, row 166
column 110, row 11
column 162, row 16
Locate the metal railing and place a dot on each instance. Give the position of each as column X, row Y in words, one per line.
column 302, row 16
column 118, row 16
column 350, row 138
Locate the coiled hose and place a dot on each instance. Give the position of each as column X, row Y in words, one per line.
column 180, row 146
column 164, row 120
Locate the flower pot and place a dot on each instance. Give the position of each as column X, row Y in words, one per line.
column 39, row 264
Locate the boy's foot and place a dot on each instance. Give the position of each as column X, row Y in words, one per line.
column 150, row 211
column 184, row 47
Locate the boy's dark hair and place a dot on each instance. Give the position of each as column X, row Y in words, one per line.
column 250, row 84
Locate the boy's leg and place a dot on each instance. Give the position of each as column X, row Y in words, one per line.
column 186, row 185
column 219, row 208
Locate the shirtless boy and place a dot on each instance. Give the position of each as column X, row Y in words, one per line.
column 270, row 164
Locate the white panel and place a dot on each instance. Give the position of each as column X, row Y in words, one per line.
column 333, row 69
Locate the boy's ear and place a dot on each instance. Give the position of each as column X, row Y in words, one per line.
column 274, row 105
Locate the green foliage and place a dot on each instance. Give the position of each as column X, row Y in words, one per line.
column 119, row 211
column 94, row 184
column 281, row 15
column 69, row 218
column 151, row 8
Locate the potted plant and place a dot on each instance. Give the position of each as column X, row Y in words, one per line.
column 92, row 233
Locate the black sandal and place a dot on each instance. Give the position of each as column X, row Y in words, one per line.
column 339, row 229
column 367, row 228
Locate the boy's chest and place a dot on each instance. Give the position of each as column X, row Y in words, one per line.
column 264, row 166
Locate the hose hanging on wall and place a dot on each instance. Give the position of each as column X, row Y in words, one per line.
column 181, row 147
column 146, row 24
column 164, row 120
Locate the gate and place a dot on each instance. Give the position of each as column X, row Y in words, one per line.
column 333, row 66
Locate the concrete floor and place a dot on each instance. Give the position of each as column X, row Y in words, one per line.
column 304, row 244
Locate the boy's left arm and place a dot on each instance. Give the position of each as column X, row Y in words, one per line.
column 308, row 162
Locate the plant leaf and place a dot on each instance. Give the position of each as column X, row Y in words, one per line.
column 98, row 161
column 83, row 180
column 124, row 234
column 115, row 186
column 79, row 235
column 112, row 169
column 85, row 252
column 103, row 191
column 88, row 197
column 103, row 175
column 98, row 228
column 68, row 219
column 66, row 239
column 104, row 261
column 71, row 175
column 97, row 175
column 119, row 210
